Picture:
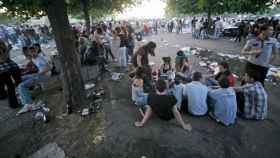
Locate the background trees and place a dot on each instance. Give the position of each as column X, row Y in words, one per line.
column 217, row 6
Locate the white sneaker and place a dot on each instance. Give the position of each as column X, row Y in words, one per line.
column 26, row 108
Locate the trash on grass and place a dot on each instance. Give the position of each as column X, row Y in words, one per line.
column 89, row 86
column 116, row 76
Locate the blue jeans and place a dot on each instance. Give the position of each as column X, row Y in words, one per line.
column 217, row 33
column 27, row 82
column 212, row 82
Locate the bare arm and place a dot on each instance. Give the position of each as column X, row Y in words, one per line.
column 248, row 50
column 179, row 119
column 139, row 58
column 148, row 114
column 45, row 70
column 275, row 52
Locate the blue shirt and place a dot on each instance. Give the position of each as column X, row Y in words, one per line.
column 196, row 93
column 178, row 93
column 224, row 104
column 266, row 47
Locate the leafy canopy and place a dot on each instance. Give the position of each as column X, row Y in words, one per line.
column 216, row 6
column 36, row 8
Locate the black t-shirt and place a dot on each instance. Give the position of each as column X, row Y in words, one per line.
column 162, row 105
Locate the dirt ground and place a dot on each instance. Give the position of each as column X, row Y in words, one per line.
column 111, row 134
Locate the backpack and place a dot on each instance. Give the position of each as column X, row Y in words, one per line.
column 91, row 56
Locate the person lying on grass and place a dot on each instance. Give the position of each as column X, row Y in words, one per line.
column 163, row 106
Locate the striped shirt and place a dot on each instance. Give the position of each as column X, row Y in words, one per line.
column 8, row 66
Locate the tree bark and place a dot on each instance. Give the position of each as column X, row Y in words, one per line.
column 85, row 8
column 209, row 12
column 73, row 86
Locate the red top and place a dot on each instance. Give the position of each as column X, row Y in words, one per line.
column 231, row 80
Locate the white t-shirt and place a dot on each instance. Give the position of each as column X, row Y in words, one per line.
column 40, row 62
column 218, row 24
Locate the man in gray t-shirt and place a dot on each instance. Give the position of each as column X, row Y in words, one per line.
column 261, row 51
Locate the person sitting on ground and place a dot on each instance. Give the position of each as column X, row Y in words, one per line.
column 9, row 72
column 196, row 93
column 138, row 95
column 30, row 67
column 224, row 71
column 252, row 98
column 177, row 91
column 166, row 68
column 163, row 106
column 32, row 79
column 185, row 71
column 223, row 103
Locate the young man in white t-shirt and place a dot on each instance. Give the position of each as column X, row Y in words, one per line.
column 218, row 28
column 30, row 80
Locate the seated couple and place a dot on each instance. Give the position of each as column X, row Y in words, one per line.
column 167, row 72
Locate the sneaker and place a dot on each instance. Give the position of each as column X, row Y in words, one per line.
column 26, row 108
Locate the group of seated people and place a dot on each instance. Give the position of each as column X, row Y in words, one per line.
column 36, row 71
column 200, row 95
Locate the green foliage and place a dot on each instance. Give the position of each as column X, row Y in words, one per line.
column 217, row 6
column 24, row 8
column 100, row 8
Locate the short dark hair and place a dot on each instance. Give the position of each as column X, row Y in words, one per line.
column 139, row 72
column 149, row 46
column 254, row 75
column 32, row 47
column 37, row 45
column 24, row 48
column 99, row 30
column 161, row 85
column 264, row 27
column 224, row 64
column 197, row 76
column 223, row 82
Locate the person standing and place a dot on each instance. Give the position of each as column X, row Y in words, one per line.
column 141, row 59
column 261, row 51
column 9, row 71
column 218, row 28
column 123, row 48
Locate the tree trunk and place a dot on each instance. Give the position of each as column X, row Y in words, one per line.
column 85, row 8
column 73, row 86
column 209, row 18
